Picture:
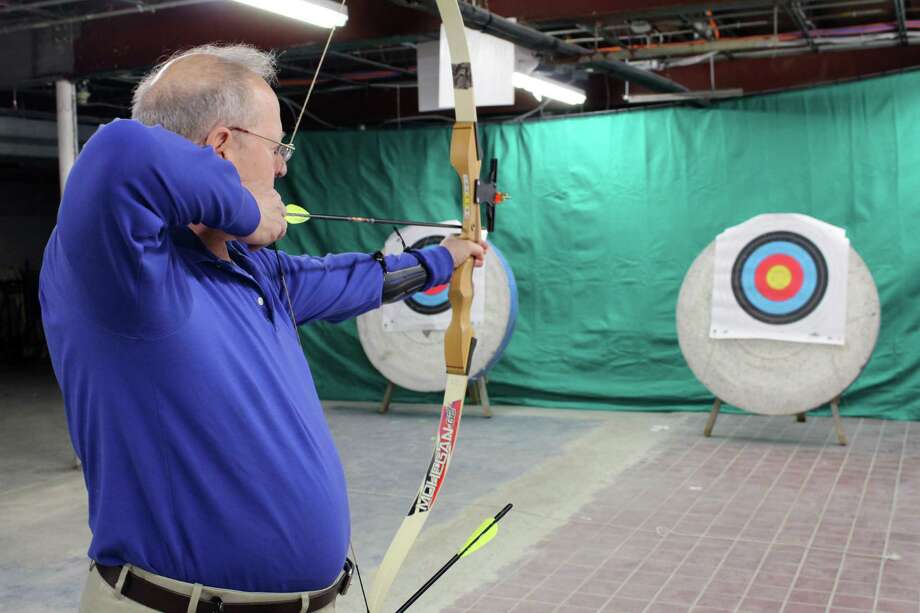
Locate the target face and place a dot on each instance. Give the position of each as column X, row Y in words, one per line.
column 434, row 300
column 779, row 277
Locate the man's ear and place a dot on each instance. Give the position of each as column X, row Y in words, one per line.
column 219, row 140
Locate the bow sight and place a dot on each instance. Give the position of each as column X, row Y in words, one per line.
column 487, row 194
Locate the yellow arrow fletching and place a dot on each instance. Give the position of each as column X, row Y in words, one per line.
column 300, row 214
column 488, row 529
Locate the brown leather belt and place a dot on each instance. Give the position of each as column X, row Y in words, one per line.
column 159, row 598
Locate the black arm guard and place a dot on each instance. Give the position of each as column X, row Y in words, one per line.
column 400, row 284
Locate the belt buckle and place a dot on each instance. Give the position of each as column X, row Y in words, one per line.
column 346, row 580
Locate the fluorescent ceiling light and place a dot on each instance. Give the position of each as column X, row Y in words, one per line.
column 541, row 87
column 322, row 13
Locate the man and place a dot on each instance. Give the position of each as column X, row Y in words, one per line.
column 211, row 473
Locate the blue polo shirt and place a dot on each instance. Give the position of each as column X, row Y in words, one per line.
column 206, row 454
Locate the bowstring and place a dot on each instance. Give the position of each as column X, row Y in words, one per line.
column 284, row 286
column 281, row 274
column 303, row 108
column 319, row 65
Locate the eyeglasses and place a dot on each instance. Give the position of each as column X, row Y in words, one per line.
column 282, row 150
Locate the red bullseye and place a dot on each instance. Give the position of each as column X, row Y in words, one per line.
column 772, row 262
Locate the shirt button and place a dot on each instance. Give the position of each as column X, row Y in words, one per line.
column 260, row 301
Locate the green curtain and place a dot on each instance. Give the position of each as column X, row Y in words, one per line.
column 609, row 211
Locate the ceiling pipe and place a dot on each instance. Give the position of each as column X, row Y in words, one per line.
column 902, row 20
column 364, row 60
column 485, row 21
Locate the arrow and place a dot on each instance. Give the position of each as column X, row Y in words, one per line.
column 483, row 534
column 297, row 214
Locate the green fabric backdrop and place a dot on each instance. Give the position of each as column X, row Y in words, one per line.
column 609, row 211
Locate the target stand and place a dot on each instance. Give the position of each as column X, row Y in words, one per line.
column 475, row 390
column 772, row 377
column 800, row 417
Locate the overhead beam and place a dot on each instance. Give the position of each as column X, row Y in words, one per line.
column 592, row 10
column 776, row 73
column 31, row 6
column 706, row 94
column 33, row 138
column 645, row 78
column 364, row 60
column 106, row 14
column 685, row 9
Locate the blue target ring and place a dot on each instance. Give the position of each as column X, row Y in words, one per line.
column 804, row 270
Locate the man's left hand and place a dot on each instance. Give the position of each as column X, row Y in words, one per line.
column 462, row 249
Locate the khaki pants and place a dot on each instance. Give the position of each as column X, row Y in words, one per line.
column 99, row 597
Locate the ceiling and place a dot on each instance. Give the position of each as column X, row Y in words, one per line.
column 369, row 76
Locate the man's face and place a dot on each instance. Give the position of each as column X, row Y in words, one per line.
column 256, row 159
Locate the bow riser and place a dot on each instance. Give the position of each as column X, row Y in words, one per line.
column 459, row 339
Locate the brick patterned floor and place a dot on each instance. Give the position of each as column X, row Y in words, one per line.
column 767, row 516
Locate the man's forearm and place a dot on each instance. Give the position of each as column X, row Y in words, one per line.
column 400, row 284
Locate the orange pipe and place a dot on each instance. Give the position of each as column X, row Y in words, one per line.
column 781, row 37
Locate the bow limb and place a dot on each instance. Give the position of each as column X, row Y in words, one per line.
column 459, row 340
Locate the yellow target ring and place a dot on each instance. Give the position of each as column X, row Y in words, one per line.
column 779, row 277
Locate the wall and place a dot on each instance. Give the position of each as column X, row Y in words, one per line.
column 608, row 213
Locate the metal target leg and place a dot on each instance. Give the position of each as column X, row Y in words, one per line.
column 713, row 414
column 838, row 424
column 484, row 397
column 387, row 397
column 800, row 418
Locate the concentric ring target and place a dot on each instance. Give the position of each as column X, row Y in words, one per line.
column 779, row 277
column 773, row 377
column 433, row 300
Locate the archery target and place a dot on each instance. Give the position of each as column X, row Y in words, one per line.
column 412, row 356
column 779, row 277
column 428, row 310
column 774, row 377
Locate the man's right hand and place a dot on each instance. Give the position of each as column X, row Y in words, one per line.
column 272, row 225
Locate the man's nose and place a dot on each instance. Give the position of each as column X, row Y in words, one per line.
column 280, row 168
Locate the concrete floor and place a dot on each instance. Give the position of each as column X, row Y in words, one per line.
column 614, row 512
